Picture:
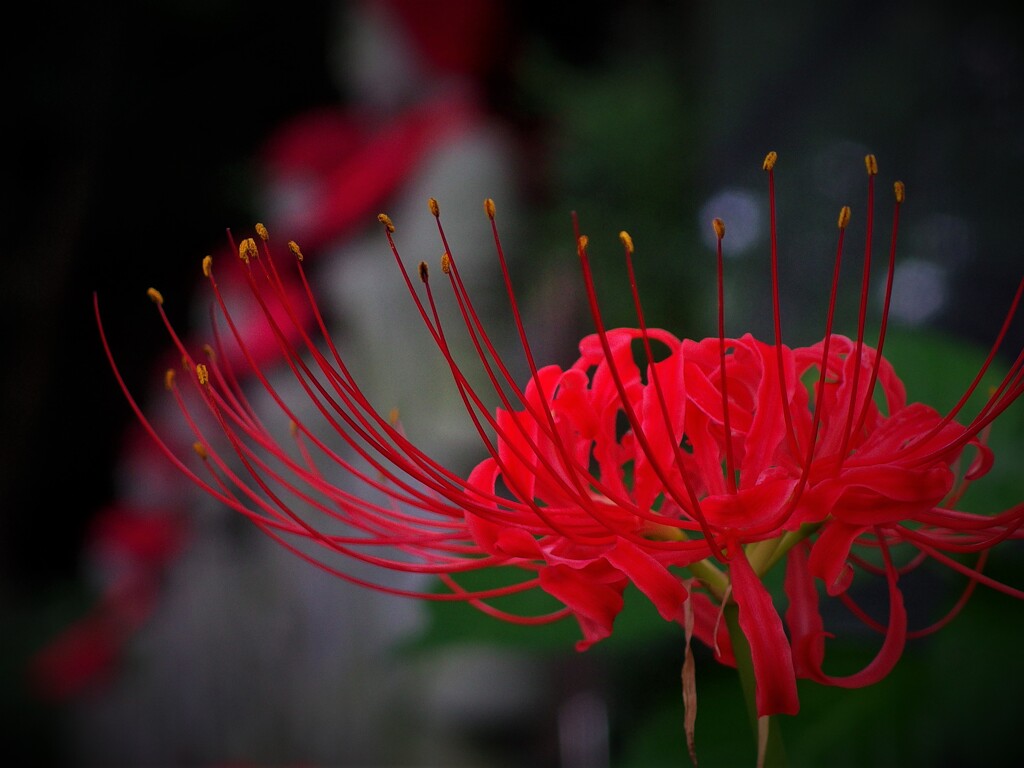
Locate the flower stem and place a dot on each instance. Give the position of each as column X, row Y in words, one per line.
column 773, row 754
column 716, row 581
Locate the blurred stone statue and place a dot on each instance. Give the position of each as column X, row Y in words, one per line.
column 212, row 644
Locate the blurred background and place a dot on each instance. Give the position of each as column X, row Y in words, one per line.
column 139, row 134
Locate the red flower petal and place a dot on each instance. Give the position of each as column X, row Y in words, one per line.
column 594, row 602
column 652, row 578
column 808, row 634
column 769, row 647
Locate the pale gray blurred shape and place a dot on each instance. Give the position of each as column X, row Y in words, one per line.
column 743, row 213
column 255, row 655
column 919, row 291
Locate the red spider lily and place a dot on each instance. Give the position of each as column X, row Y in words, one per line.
column 689, row 476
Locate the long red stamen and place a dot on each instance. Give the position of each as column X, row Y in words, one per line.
column 972, row 573
column 595, row 310
column 355, row 410
column 473, row 403
column 769, row 166
column 730, row 465
column 578, row 476
column 691, row 495
column 335, row 543
column 865, row 285
column 423, row 469
column 1003, row 396
column 477, row 407
column 958, row 606
column 899, row 193
column 546, row 421
column 805, row 473
column 468, row 393
column 844, row 220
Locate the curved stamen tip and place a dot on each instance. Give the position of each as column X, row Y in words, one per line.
column 899, row 190
column 719, row 226
column 169, row 378
column 207, row 265
column 489, row 208
column 435, row 209
column 424, row 272
column 296, row 251
column 200, row 450
column 844, row 217
column 202, row 374
column 155, row 295
column 247, row 250
column 262, row 232
column 627, row 241
column 384, row 219
column 871, row 164
column 446, row 262
column 769, row 160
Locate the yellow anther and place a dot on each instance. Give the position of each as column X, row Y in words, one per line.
column 899, row 190
column 294, row 248
column 155, row 295
column 769, row 160
column 208, row 351
column 719, row 226
column 627, row 241
column 844, row 216
column 871, row 164
column 393, row 417
column 247, row 250
column 435, row 209
column 446, row 262
column 293, row 428
column 200, row 450
column 581, row 243
column 489, row 208
column 424, row 271
column 262, row 232
column 384, row 219
column 207, row 265
column 169, row 378
column 202, row 374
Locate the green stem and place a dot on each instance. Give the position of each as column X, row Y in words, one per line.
column 775, row 754
column 716, row 581
column 787, row 541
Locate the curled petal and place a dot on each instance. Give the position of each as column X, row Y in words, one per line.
column 828, row 560
column 748, row 507
column 888, row 494
column 803, row 616
column 767, row 433
column 493, row 537
column 808, row 634
column 982, row 462
column 651, row 577
column 594, row 599
column 769, row 647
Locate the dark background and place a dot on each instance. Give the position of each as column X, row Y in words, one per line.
column 131, row 132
